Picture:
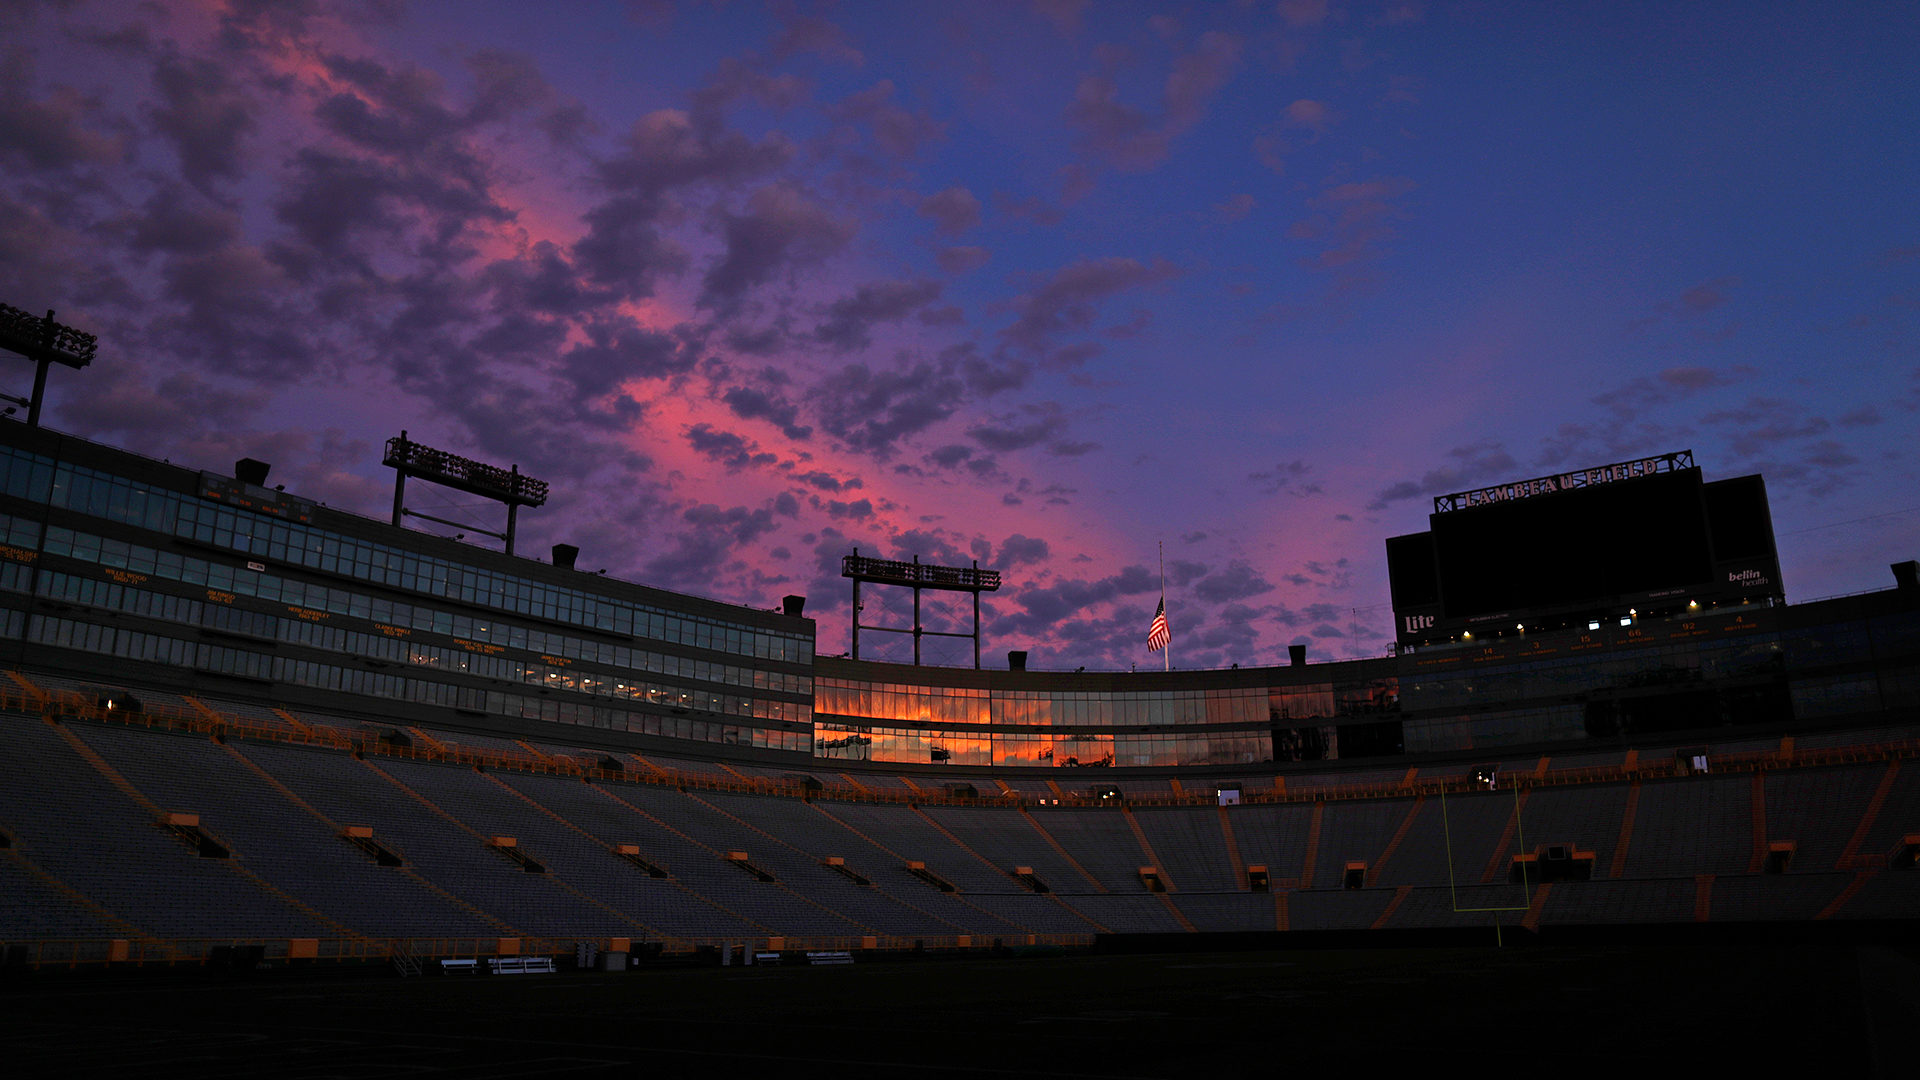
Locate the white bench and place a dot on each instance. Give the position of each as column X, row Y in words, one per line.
column 521, row 965
column 836, row 956
column 459, row 967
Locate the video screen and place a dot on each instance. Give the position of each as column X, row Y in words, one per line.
column 1632, row 536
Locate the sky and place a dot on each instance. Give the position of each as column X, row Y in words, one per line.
column 1075, row 290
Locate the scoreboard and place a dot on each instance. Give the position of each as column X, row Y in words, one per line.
column 253, row 497
column 1650, row 534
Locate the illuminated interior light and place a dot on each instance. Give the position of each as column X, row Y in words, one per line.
column 1594, row 624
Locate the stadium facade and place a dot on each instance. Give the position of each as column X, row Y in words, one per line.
column 118, row 565
column 127, row 584
column 162, row 573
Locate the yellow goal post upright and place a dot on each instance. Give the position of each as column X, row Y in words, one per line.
column 1453, row 885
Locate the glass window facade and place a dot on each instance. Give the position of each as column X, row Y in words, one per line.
column 491, row 641
column 1038, row 708
column 1655, row 675
column 310, row 629
column 894, row 701
column 1077, row 729
column 277, row 608
column 1738, row 667
column 1669, row 665
column 129, row 502
column 1338, row 708
column 836, row 741
column 307, row 603
column 231, row 660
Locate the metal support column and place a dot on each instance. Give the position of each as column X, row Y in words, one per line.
column 856, row 616
column 916, row 614
column 39, row 385
column 49, row 332
column 399, row 488
column 976, row 621
column 400, row 482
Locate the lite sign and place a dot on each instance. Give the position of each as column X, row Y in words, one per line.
column 1605, row 474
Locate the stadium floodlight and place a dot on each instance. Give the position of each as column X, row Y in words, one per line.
column 917, row 575
column 44, row 342
column 510, row 486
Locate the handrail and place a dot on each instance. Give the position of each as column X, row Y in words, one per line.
column 63, row 703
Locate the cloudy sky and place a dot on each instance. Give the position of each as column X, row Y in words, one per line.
column 1043, row 284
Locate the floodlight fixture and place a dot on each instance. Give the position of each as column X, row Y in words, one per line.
column 44, row 342
column 917, row 575
column 510, row 486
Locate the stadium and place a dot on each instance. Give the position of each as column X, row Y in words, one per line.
column 255, row 734
column 1526, row 675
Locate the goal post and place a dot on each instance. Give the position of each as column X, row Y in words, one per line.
column 1453, row 884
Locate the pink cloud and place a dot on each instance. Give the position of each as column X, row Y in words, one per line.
column 954, row 210
column 1355, row 216
column 1315, row 116
column 1132, row 139
column 1065, row 15
column 1235, row 208
column 1300, row 14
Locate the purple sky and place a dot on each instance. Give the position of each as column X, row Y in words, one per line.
column 1042, row 284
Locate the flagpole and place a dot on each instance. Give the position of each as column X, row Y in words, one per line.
column 1166, row 654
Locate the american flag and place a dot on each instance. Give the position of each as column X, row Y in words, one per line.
column 1159, row 635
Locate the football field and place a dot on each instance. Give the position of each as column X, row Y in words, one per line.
column 1613, row 1011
